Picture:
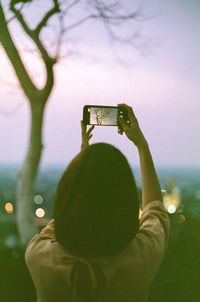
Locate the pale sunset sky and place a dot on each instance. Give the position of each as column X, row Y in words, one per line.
column 161, row 80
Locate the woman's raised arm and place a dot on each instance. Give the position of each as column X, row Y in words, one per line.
column 150, row 184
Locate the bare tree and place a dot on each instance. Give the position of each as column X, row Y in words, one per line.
column 111, row 13
column 100, row 114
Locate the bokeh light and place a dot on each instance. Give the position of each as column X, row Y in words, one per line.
column 182, row 218
column 11, row 241
column 171, row 202
column 38, row 199
column 9, row 208
column 40, row 212
column 171, row 209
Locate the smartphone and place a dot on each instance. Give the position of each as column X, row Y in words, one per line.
column 103, row 115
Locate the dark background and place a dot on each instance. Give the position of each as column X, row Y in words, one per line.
column 178, row 278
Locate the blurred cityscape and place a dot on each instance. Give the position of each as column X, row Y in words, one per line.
column 176, row 280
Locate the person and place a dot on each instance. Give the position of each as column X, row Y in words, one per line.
column 96, row 248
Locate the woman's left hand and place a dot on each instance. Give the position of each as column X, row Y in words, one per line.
column 86, row 135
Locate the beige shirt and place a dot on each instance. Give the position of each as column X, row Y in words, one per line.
column 61, row 277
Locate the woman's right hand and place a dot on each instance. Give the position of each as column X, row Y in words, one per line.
column 131, row 128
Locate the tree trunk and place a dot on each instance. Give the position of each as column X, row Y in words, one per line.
column 25, row 183
column 37, row 101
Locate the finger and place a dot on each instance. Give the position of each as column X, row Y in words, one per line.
column 124, row 105
column 120, row 131
column 119, row 128
column 82, row 124
column 131, row 114
column 83, row 127
column 123, row 124
column 90, row 130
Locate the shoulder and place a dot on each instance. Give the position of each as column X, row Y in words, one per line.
column 152, row 237
column 40, row 243
column 154, row 218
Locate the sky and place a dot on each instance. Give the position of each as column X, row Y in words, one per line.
column 160, row 80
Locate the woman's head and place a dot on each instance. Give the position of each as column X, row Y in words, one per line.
column 96, row 204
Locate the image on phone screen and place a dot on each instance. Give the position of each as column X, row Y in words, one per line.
column 103, row 116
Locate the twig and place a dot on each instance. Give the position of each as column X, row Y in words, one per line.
column 47, row 16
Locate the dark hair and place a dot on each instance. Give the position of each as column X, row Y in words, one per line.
column 96, row 204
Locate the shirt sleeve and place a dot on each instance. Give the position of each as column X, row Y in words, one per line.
column 36, row 243
column 48, row 230
column 152, row 237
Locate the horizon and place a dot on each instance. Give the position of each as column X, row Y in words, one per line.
column 47, row 166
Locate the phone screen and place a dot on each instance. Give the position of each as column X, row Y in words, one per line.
column 103, row 116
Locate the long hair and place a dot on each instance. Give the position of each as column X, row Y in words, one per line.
column 96, row 204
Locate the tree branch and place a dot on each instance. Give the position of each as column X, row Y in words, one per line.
column 81, row 21
column 14, row 57
column 47, row 16
column 31, row 33
column 14, row 17
column 111, row 12
column 60, row 37
column 34, row 35
column 71, row 5
column 63, row 29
